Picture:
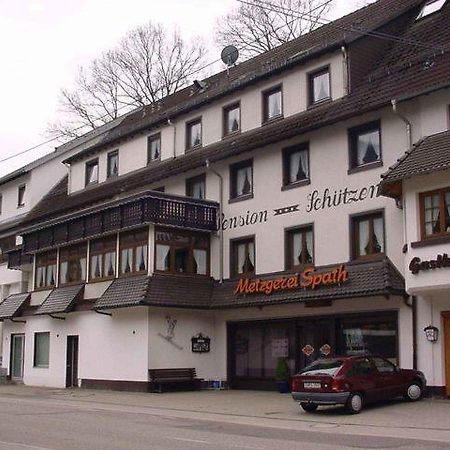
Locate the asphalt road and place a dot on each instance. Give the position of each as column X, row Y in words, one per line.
column 46, row 424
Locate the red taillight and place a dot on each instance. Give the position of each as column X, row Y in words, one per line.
column 295, row 385
column 337, row 385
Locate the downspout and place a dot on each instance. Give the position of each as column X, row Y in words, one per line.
column 68, row 176
column 208, row 166
column 346, row 73
column 169, row 122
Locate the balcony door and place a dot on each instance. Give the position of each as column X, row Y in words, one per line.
column 17, row 356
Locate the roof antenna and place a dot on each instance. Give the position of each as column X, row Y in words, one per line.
column 229, row 56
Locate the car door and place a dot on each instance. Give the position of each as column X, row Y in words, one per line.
column 388, row 380
column 361, row 378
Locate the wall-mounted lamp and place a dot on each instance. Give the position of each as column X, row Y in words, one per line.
column 431, row 333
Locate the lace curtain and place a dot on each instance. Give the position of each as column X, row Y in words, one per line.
column 246, row 257
column 321, row 87
column 244, row 181
column 298, row 166
column 274, row 105
column 368, row 147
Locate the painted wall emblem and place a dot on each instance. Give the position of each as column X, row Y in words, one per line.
column 325, row 350
column 308, row 350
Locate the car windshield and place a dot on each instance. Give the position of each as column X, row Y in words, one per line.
column 323, row 367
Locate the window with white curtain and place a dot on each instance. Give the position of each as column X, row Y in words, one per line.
column 243, row 257
column 194, row 134
column 92, row 172
column 319, row 86
column 365, row 145
column 241, row 179
column 196, row 187
column 295, row 164
column 134, row 252
column 102, row 254
column 368, row 235
column 153, row 147
column 273, row 104
column 41, row 349
column 435, row 213
column 299, row 247
column 113, row 164
column 231, row 119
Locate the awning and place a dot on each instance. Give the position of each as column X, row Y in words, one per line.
column 13, row 305
column 61, row 300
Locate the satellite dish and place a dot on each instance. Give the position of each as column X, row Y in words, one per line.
column 229, row 55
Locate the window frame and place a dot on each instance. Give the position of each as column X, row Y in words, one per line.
column 72, row 257
column 108, row 164
column 50, row 258
column 36, row 364
column 354, row 234
column 233, row 180
column 21, row 190
column 311, row 76
column 192, row 247
column 353, row 134
column 134, row 246
column 422, row 195
column 188, row 134
column 190, row 183
column 103, row 251
column 226, row 109
column 88, row 164
column 286, row 153
column 1, row 204
column 234, row 243
column 265, row 103
column 151, row 138
column 288, row 248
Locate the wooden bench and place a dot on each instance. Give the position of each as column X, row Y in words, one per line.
column 184, row 378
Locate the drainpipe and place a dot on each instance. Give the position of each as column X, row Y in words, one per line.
column 68, row 177
column 407, row 122
column 208, row 166
column 346, row 74
column 169, row 122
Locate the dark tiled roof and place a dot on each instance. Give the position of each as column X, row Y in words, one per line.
column 124, row 292
column 328, row 37
column 180, row 291
column 61, row 300
column 365, row 279
column 13, row 305
column 430, row 154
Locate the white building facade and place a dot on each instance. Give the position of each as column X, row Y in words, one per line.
column 247, row 212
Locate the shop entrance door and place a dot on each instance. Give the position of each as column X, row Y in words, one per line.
column 446, row 316
column 17, row 356
column 72, row 362
column 316, row 338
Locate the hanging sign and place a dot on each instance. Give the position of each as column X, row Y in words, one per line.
column 309, row 279
column 416, row 264
column 200, row 343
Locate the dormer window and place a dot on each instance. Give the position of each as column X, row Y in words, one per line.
column 319, row 86
column 231, row 119
column 194, row 134
column 272, row 104
column 113, row 164
column 430, row 7
column 153, row 147
column 21, row 195
column 92, row 172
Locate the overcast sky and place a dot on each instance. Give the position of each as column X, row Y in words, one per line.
column 43, row 42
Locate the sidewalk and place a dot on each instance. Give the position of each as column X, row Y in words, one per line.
column 428, row 419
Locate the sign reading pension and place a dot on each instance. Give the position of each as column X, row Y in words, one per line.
column 308, row 279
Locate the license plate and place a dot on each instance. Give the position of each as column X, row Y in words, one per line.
column 312, row 385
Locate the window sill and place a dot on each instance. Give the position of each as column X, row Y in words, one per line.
column 272, row 120
column 41, row 367
column 133, row 274
column 72, row 283
column 431, row 241
column 367, row 258
column 231, row 135
column 241, row 198
column 46, row 288
column 365, row 167
column 192, row 149
column 100, row 280
column 181, row 274
column 295, row 185
column 320, row 103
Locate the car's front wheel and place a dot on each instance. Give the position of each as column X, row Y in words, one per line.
column 414, row 392
column 354, row 403
column 309, row 407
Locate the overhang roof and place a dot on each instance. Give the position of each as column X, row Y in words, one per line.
column 61, row 300
column 431, row 154
column 13, row 305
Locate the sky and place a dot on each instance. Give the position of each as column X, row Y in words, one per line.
column 44, row 42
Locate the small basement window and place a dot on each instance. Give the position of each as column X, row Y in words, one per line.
column 430, row 7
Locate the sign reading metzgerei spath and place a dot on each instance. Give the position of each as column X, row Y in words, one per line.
column 308, row 279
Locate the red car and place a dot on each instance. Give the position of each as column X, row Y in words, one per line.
column 353, row 381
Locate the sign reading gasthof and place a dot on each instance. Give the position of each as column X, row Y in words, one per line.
column 308, row 279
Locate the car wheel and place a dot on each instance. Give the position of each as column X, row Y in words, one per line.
column 354, row 403
column 309, row 407
column 414, row 392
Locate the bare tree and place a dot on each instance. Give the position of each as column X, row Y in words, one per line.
column 148, row 64
column 257, row 26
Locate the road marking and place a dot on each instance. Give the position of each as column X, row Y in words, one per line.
column 25, row 445
column 197, row 441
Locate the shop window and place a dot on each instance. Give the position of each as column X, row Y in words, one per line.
column 435, row 213
column 241, row 180
column 231, row 119
column 41, row 349
column 181, row 252
column 272, row 104
column 319, row 86
column 91, row 172
column 102, row 264
column 295, row 165
column 242, row 257
column 196, row 187
column 299, row 247
column 153, row 148
column 45, row 274
column 72, row 264
column 365, row 145
column 134, row 252
column 113, row 164
column 368, row 235
column 193, row 134
column 21, row 195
